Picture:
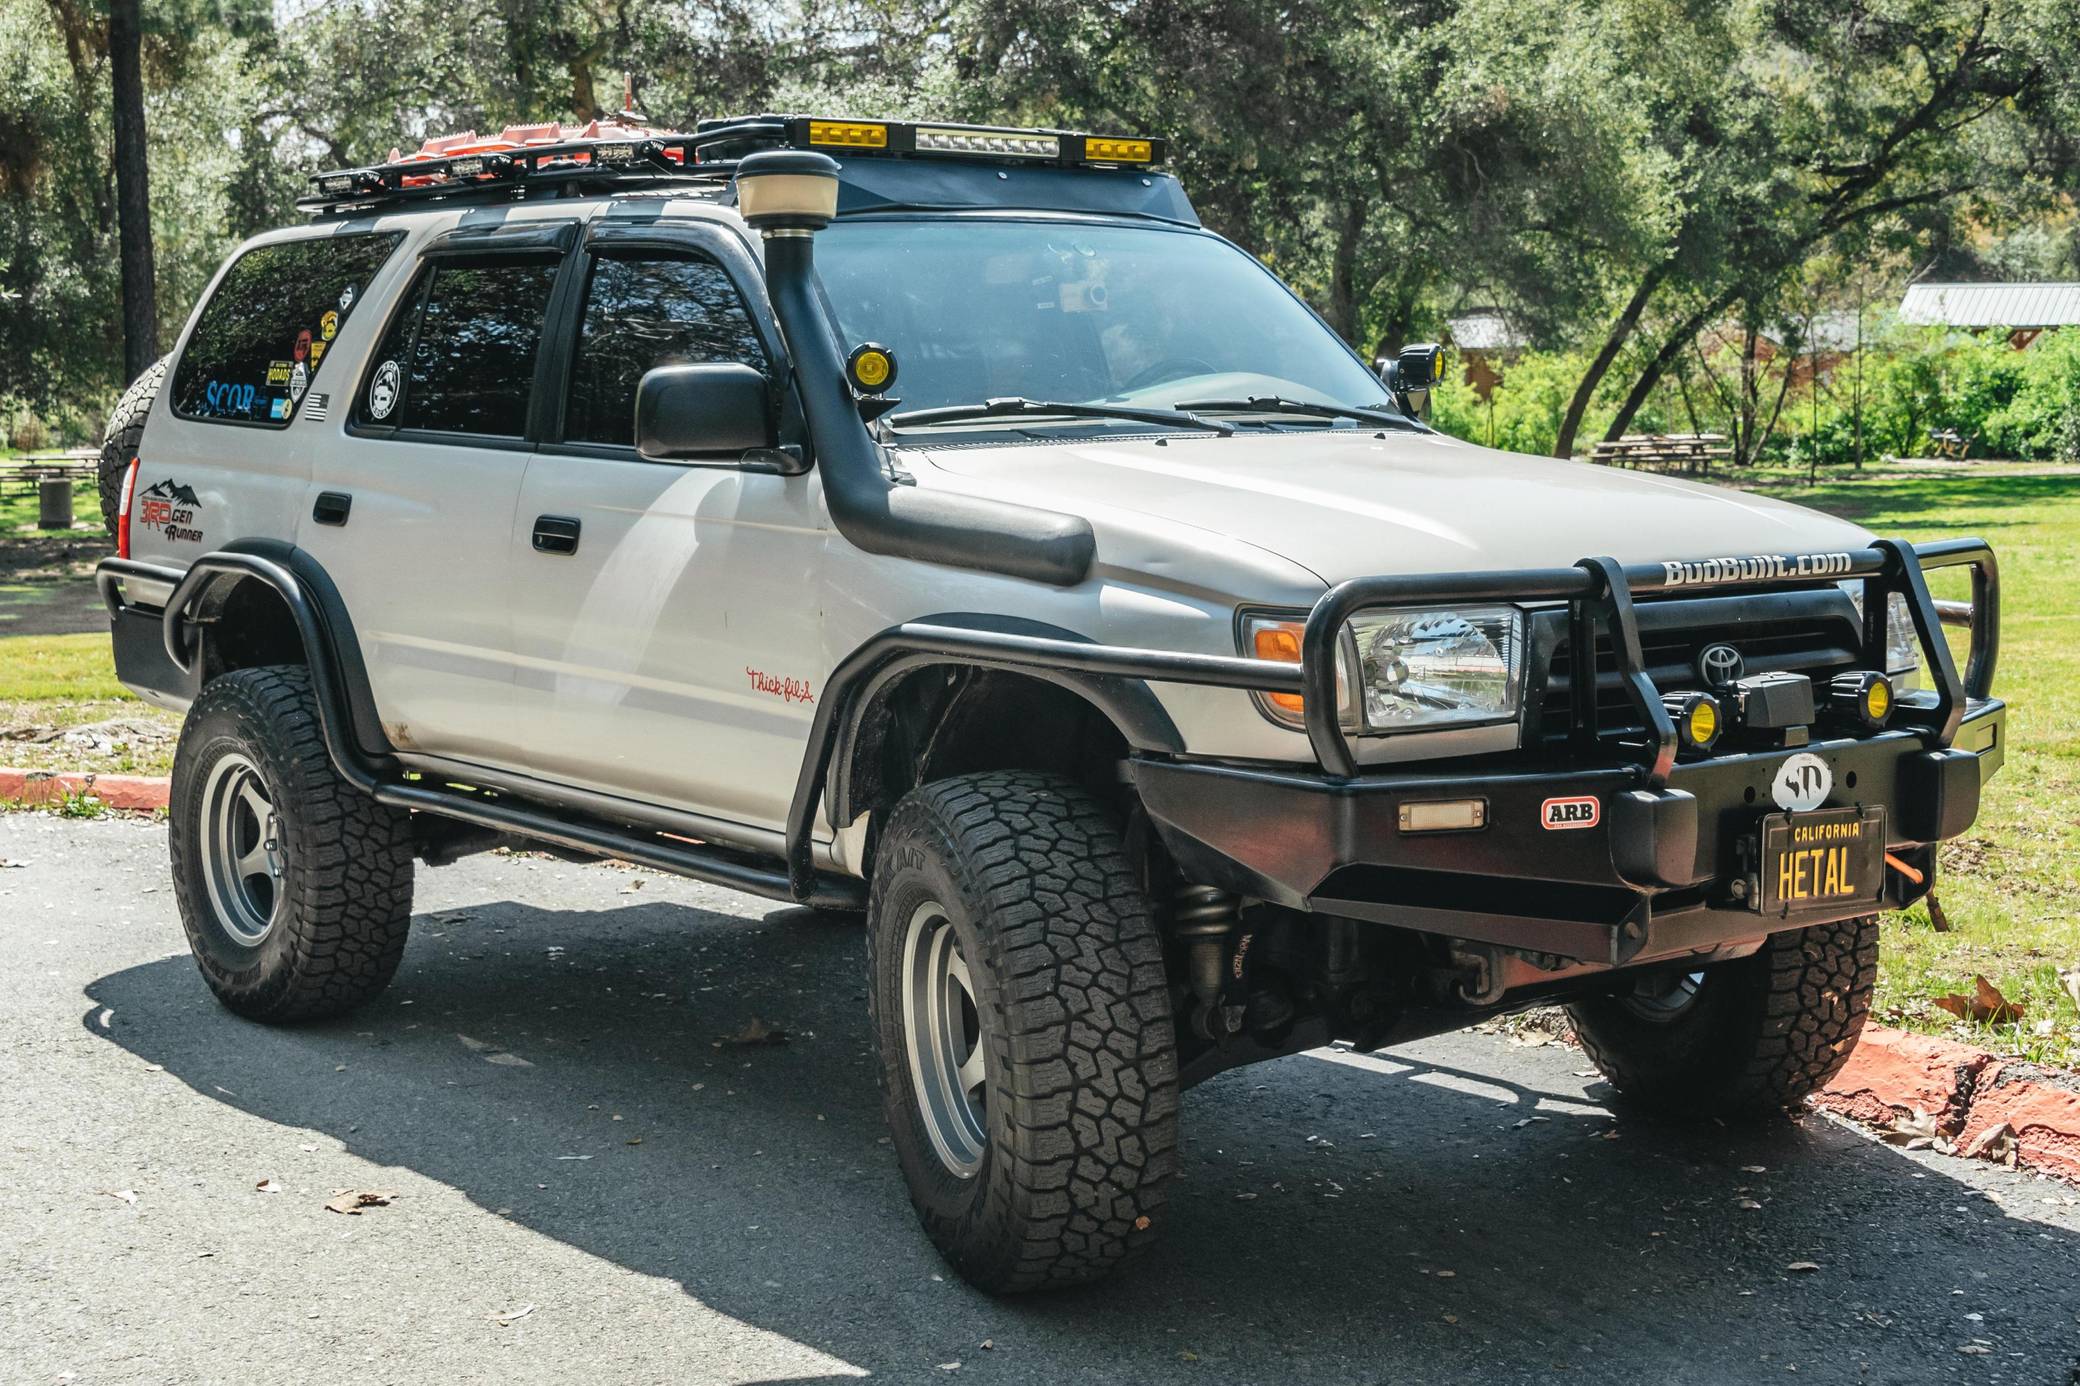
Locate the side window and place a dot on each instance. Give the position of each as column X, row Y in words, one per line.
column 459, row 357
column 262, row 337
column 643, row 313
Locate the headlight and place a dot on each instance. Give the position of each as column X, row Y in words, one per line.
column 1417, row 669
column 1455, row 667
column 1902, row 645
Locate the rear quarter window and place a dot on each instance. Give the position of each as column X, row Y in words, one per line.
column 264, row 335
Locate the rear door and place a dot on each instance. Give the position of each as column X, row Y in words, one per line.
column 666, row 652
column 411, row 513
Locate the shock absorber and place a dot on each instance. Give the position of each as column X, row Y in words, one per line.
column 1205, row 917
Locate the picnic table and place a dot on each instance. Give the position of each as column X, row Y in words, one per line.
column 1665, row 452
column 22, row 475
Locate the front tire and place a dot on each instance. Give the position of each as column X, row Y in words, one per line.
column 1748, row 1038
column 294, row 887
column 1028, row 1060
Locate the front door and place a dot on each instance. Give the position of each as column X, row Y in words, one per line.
column 666, row 626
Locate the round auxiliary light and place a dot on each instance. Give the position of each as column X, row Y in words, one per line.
column 787, row 190
column 1697, row 717
column 1863, row 697
column 871, row 368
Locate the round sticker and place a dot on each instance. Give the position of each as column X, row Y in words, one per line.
column 328, row 325
column 346, row 298
column 382, row 391
column 302, row 350
column 1803, row 782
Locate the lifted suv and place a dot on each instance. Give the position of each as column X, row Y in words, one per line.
column 937, row 521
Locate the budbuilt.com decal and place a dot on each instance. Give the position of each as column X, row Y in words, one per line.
column 1761, row 567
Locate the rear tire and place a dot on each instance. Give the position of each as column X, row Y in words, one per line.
column 294, row 887
column 1028, row 1059
column 1747, row 1038
column 123, row 436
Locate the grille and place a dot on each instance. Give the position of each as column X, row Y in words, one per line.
column 1814, row 633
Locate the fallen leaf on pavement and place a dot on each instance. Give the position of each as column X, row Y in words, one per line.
column 1985, row 1004
column 1141, row 1223
column 756, row 1032
column 1912, row 1128
column 1997, row 1144
column 1750, row 1204
column 512, row 1316
column 268, row 1186
column 352, row 1201
column 1803, row 1267
column 127, row 1195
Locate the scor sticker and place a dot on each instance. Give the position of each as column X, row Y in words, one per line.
column 328, row 325
column 278, row 372
column 382, row 391
column 1575, row 811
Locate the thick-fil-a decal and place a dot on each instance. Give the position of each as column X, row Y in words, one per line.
column 1573, row 811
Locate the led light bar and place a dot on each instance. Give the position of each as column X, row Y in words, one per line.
column 1017, row 144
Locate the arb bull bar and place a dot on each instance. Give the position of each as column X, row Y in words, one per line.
column 1663, row 860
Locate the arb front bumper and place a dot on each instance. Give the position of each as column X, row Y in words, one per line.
column 1611, row 848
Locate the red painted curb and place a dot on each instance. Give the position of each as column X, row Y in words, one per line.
column 1970, row 1093
column 132, row 793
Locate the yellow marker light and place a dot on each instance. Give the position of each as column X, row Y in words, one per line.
column 1102, row 150
column 1877, row 701
column 1704, row 723
column 849, row 134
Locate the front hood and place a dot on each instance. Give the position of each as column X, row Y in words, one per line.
column 1350, row 504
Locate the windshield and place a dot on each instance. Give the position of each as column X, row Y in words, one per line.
column 1079, row 313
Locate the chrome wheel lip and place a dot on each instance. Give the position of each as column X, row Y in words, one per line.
column 942, row 1038
column 241, row 850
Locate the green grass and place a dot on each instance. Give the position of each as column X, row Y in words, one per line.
column 57, row 668
column 2011, row 886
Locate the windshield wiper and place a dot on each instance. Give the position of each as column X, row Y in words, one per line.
column 1014, row 406
column 1273, row 404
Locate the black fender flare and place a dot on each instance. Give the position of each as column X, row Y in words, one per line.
column 331, row 647
column 858, row 689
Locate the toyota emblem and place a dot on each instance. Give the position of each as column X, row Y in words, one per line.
column 1719, row 665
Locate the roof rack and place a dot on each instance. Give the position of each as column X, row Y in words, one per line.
column 552, row 159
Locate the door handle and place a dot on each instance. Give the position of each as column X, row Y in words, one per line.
column 555, row 534
column 332, row 507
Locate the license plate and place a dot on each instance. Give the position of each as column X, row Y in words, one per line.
column 1827, row 857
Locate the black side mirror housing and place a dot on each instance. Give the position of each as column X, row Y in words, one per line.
column 710, row 409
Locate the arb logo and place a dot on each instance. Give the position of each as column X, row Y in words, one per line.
column 1580, row 811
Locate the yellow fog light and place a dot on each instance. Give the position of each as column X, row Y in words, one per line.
column 1862, row 697
column 870, row 368
column 1697, row 718
column 1100, row 150
column 849, row 134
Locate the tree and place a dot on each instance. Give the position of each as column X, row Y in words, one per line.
column 133, row 188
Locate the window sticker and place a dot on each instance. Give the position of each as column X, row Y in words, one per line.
column 299, row 381
column 346, row 298
column 317, row 354
column 382, row 391
column 278, row 372
column 328, row 326
column 301, row 352
column 235, row 401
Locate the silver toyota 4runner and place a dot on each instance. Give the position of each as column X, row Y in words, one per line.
column 937, row 521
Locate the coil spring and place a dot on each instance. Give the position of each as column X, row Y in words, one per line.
column 1202, row 911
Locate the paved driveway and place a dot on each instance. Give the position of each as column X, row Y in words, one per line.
column 544, row 1092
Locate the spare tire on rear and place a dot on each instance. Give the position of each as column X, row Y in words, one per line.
column 120, row 441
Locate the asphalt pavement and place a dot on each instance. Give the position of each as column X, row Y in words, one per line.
column 606, row 1166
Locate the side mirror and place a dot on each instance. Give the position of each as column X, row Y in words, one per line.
column 712, row 409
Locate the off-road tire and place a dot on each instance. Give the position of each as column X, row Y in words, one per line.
column 1074, row 1014
column 345, row 892
column 124, row 434
column 1760, row 1034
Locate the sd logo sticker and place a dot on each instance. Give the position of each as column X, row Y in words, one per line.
column 1575, row 811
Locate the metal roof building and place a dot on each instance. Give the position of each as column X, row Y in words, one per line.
column 2014, row 306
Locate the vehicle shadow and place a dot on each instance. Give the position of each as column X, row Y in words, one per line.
column 1406, row 1216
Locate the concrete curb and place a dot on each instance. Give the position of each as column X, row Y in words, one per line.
column 131, row 793
column 1981, row 1104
